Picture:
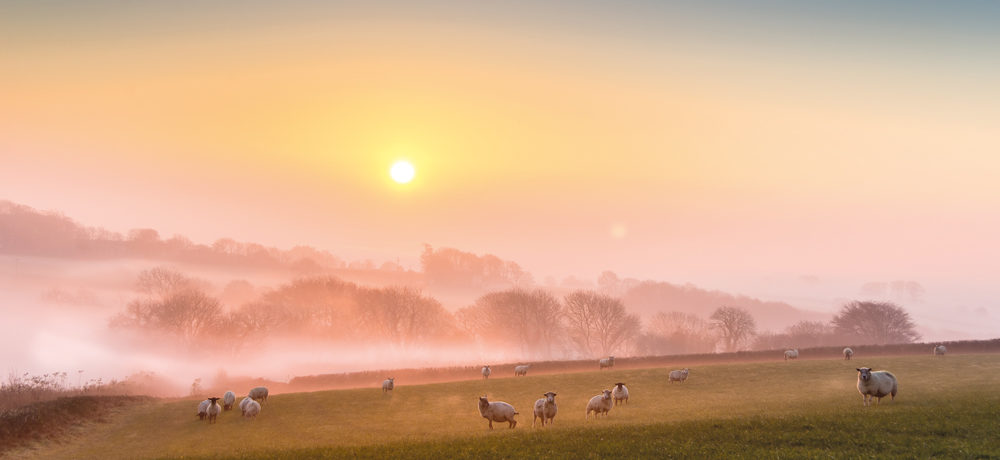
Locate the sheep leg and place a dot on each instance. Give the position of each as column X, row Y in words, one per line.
column 513, row 423
column 491, row 424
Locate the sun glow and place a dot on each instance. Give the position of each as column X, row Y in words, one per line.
column 402, row 172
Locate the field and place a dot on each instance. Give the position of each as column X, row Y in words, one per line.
column 947, row 407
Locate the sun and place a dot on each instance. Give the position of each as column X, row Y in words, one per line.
column 402, row 172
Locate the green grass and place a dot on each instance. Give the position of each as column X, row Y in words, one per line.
column 946, row 407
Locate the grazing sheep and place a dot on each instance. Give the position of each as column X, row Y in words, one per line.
column 607, row 362
column 791, row 354
column 848, row 353
column 497, row 411
column 876, row 384
column 678, row 375
column 940, row 350
column 486, row 372
column 228, row 400
column 259, row 394
column 388, row 384
column 545, row 409
column 251, row 410
column 243, row 405
column 521, row 370
column 599, row 404
column 214, row 409
column 620, row 392
column 203, row 409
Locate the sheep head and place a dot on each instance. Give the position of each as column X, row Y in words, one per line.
column 864, row 373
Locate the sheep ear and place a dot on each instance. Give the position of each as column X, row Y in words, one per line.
column 858, row 369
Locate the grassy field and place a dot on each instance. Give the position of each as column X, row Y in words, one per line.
column 946, row 407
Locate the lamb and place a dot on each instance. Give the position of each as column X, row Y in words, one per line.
column 388, row 384
column 545, row 409
column 259, row 394
column 876, row 384
column 940, row 350
column 599, row 404
column 243, row 405
column 678, row 375
column 607, row 362
column 620, row 392
column 251, row 410
column 497, row 411
column 486, row 372
column 214, row 410
column 203, row 409
column 521, row 370
column 848, row 353
column 791, row 354
column 228, row 400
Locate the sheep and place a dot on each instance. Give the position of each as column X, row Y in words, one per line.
column 228, row 400
column 497, row 411
column 940, row 350
column 486, row 372
column 791, row 354
column 599, row 404
column 607, row 362
column 620, row 392
column 243, row 405
column 203, row 409
column 848, row 353
column 876, row 384
column 521, row 370
column 545, row 409
column 388, row 384
column 251, row 410
column 214, row 410
column 259, row 394
column 678, row 375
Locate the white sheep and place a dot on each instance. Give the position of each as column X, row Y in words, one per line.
column 251, row 410
column 607, row 362
column 203, row 409
column 876, row 384
column 259, row 394
column 388, row 384
column 497, row 411
column 486, row 372
column 599, row 404
column 243, row 405
column 940, row 350
column 620, row 393
column 545, row 409
column 791, row 354
column 214, row 410
column 521, row 370
column 678, row 375
column 848, row 353
column 228, row 400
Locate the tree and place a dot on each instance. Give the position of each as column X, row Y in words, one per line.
column 597, row 323
column 735, row 325
column 529, row 319
column 875, row 323
column 402, row 315
column 679, row 332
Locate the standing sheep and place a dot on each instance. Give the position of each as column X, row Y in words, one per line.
column 251, row 410
column 497, row 411
column 940, row 350
column 388, row 384
column 521, row 370
column 599, row 404
column 228, row 400
column 243, row 405
column 876, row 384
column 791, row 354
column 214, row 410
column 259, row 394
column 545, row 409
column 203, row 409
column 486, row 372
column 607, row 362
column 620, row 393
column 848, row 353
column 678, row 375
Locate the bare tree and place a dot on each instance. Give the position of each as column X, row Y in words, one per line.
column 598, row 324
column 529, row 319
column 875, row 323
column 679, row 332
column 187, row 315
column 735, row 325
column 402, row 315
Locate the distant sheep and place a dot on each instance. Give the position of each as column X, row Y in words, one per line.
column 259, row 394
column 599, row 404
column 848, row 353
column 388, row 384
column 203, row 409
column 497, row 411
column 486, row 372
column 228, row 400
column 791, row 354
column 620, row 393
column 251, row 410
column 545, row 409
column 678, row 375
column 876, row 384
column 521, row 370
column 243, row 405
column 940, row 350
column 607, row 362
column 214, row 410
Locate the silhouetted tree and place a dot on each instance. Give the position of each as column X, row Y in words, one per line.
column 735, row 325
column 875, row 323
column 679, row 332
column 402, row 315
column 598, row 324
column 529, row 319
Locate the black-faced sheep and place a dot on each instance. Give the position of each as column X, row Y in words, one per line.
column 620, row 393
column 214, row 409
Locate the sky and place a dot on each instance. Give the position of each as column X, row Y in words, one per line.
column 739, row 146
